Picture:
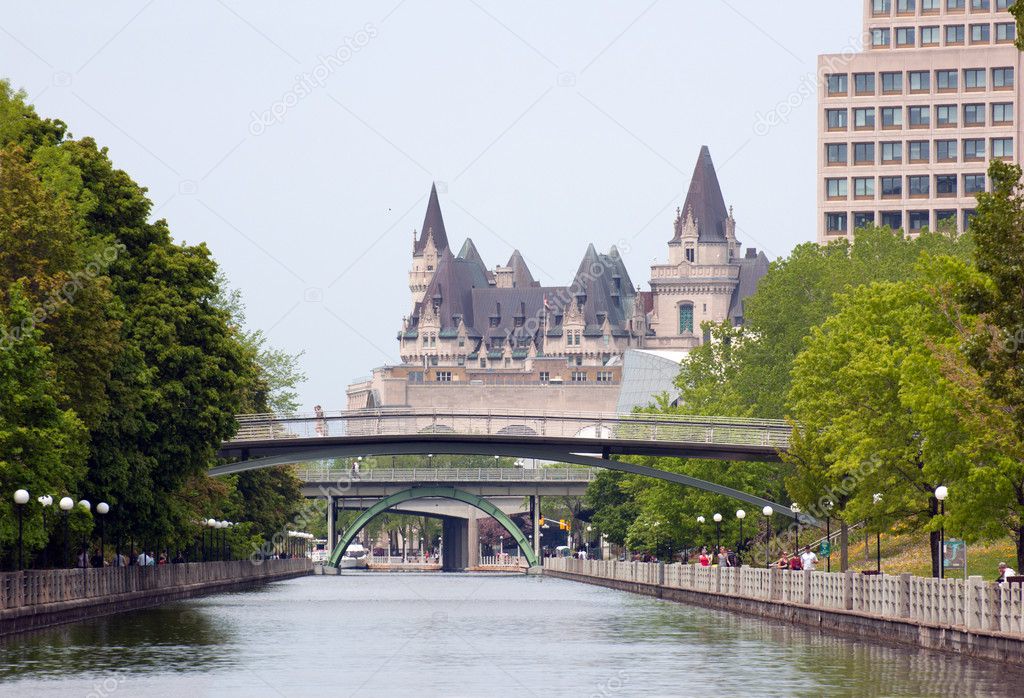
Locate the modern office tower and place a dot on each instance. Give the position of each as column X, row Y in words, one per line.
column 909, row 123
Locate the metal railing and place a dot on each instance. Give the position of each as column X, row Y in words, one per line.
column 375, row 475
column 505, row 560
column 524, row 425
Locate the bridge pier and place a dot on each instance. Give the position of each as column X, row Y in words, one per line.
column 455, row 546
column 535, row 515
column 332, row 524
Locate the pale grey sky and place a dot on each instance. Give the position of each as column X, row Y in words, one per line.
column 299, row 139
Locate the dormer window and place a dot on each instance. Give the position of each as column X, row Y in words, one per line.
column 691, row 254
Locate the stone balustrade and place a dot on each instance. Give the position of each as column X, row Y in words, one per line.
column 974, row 605
column 38, row 598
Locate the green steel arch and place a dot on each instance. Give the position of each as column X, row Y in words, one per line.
column 444, row 493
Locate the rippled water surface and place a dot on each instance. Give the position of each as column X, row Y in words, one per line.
column 365, row 634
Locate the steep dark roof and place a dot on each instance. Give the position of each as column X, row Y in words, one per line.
column 470, row 253
column 521, row 276
column 753, row 268
column 451, row 289
column 433, row 223
column 705, row 200
column 604, row 281
column 505, row 305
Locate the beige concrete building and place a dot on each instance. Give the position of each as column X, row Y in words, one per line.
column 908, row 126
column 480, row 338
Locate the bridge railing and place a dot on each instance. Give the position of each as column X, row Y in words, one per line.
column 403, row 422
column 973, row 604
column 503, row 561
column 556, row 474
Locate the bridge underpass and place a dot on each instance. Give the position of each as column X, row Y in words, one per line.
column 460, row 523
column 511, row 490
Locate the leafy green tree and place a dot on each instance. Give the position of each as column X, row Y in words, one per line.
column 42, row 446
column 874, row 414
column 987, row 363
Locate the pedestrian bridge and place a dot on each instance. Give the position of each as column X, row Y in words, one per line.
column 591, row 439
column 319, row 481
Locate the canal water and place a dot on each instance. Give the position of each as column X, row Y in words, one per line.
column 406, row 634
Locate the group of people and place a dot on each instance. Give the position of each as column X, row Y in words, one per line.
column 723, row 557
column 143, row 559
column 807, row 560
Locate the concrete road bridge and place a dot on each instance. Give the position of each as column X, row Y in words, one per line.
column 588, row 439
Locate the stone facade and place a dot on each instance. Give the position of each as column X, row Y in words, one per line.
column 480, row 338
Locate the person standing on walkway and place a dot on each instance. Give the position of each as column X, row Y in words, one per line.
column 809, row 560
column 1005, row 573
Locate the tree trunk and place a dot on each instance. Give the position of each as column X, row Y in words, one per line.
column 844, row 546
column 1020, row 550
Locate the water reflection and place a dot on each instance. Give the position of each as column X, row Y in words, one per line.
column 429, row 634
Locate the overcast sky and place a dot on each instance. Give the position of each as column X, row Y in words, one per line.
column 299, row 140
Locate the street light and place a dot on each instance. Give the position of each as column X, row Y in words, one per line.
column 46, row 500
column 740, row 514
column 20, row 500
column 718, row 532
column 767, row 511
column 876, row 499
column 828, row 534
column 66, row 504
column 941, row 492
column 700, row 522
column 430, row 459
column 102, row 509
column 796, row 510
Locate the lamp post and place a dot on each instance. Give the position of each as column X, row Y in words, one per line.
column 767, row 511
column 718, row 533
column 87, row 505
column 700, row 522
column 66, row 504
column 740, row 514
column 657, row 540
column 20, row 500
column 941, row 492
column 876, row 499
column 102, row 509
column 796, row 510
column 828, row 535
column 430, row 460
column 589, row 530
column 46, row 500
column 212, row 525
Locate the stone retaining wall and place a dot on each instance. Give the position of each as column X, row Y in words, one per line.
column 40, row 598
column 947, row 615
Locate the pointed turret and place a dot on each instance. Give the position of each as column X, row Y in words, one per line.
column 521, row 276
column 433, row 225
column 470, row 253
column 705, row 203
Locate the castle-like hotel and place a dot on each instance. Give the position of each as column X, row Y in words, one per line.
column 479, row 337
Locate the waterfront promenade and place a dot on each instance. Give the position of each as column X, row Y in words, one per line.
column 972, row 617
column 39, row 598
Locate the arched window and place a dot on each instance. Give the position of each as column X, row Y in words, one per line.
column 686, row 318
